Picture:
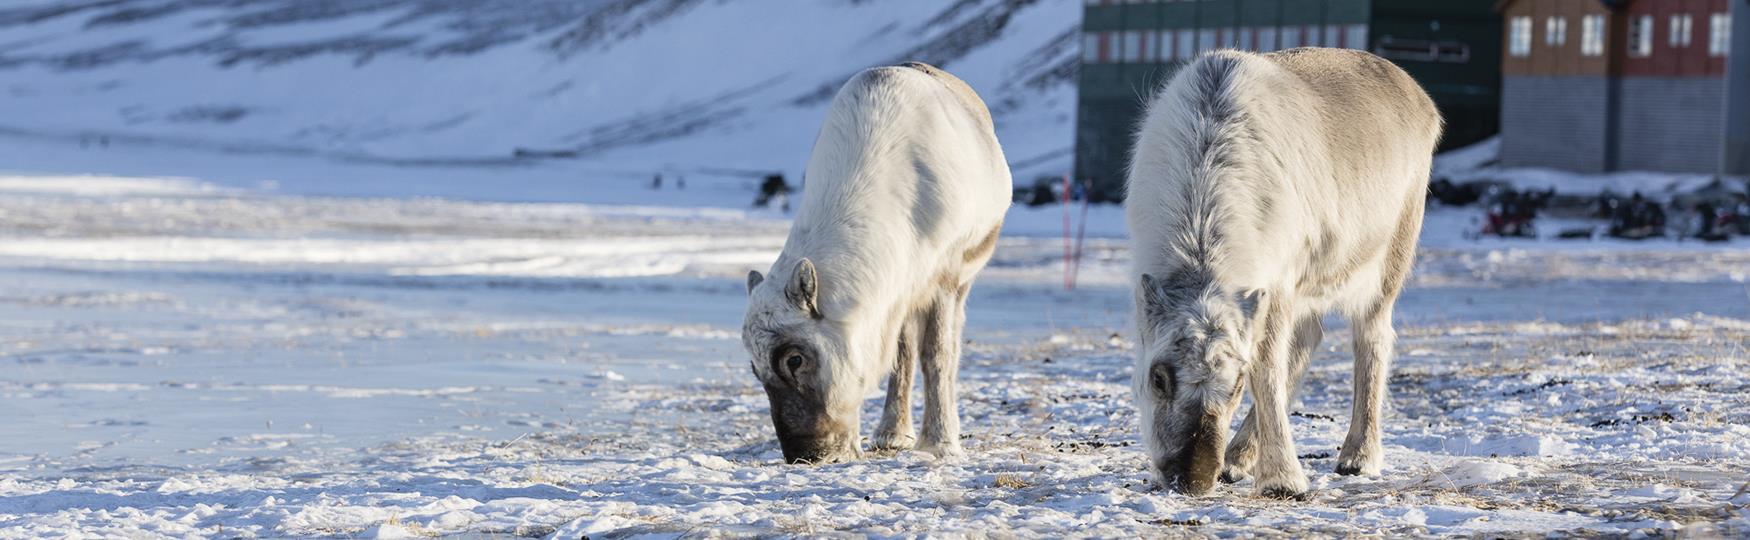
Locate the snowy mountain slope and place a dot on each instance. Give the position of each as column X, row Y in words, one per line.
column 639, row 84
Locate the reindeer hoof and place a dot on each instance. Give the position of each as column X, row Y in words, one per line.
column 948, row 451
column 1288, row 487
column 1233, row 476
column 1283, row 493
column 1358, row 466
column 895, row 442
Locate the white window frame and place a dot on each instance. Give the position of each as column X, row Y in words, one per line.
column 1640, row 36
column 1555, row 31
column 1519, row 36
column 1682, row 30
column 1592, row 35
column 1719, row 37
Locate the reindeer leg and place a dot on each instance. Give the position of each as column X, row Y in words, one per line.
column 1362, row 453
column 895, row 431
column 1278, row 468
column 1374, row 340
column 1242, row 452
column 940, row 356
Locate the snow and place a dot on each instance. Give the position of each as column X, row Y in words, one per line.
column 472, row 81
column 198, row 359
column 312, row 294
column 1479, row 162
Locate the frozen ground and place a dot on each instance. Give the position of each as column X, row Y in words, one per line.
column 185, row 360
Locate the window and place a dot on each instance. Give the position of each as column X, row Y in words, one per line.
column 1162, row 48
column 1245, row 39
column 1519, row 36
column 1592, row 35
column 1555, row 31
column 1290, row 37
column 1640, row 36
column 1680, row 30
column 1133, row 46
column 1333, row 36
column 1205, row 40
column 1719, row 35
column 1090, row 47
column 1187, row 45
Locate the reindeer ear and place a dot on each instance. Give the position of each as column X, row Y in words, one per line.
column 1174, row 290
column 753, row 280
column 1154, row 299
column 804, row 289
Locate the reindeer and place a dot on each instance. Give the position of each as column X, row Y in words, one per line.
column 1266, row 190
column 907, row 189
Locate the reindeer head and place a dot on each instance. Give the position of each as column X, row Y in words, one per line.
column 1195, row 344
column 800, row 356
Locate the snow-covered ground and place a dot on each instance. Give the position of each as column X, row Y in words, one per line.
column 190, row 359
column 276, row 269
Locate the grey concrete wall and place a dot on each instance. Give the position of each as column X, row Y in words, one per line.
column 1671, row 124
column 1554, row 121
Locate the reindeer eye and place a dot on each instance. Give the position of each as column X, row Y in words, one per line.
column 1161, row 379
column 787, row 362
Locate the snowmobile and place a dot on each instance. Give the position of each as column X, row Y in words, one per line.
column 1637, row 219
column 1511, row 213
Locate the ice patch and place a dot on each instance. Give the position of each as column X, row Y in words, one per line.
column 586, row 526
column 388, row 532
column 525, row 257
column 1476, row 473
column 104, row 186
column 1524, row 445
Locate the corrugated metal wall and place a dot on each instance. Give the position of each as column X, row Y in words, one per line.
column 1671, row 124
column 1554, row 121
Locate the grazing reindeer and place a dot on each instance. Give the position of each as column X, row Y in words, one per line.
column 907, row 188
column 1266, row 190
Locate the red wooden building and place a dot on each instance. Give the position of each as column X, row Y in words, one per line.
column 1605, row 85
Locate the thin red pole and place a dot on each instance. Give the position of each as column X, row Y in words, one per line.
column 1067, row 283
column 1081, row 232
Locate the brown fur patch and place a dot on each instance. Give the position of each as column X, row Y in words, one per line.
column 982, row 251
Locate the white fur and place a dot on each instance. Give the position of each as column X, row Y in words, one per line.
column 1288, row 179
column 906, row 176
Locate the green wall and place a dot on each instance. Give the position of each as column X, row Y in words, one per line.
column 1111, row 95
